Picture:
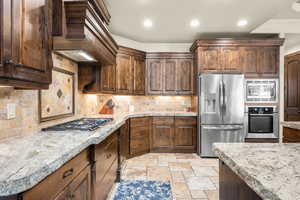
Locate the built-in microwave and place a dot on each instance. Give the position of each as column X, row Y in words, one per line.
column 261, row 90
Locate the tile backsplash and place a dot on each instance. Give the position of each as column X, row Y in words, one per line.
column 27, row 120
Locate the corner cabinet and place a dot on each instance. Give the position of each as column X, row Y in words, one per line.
column 170, row 74
column 26, row 43
column 256, row 58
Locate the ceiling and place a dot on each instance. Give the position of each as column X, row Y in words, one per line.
column 171, row 18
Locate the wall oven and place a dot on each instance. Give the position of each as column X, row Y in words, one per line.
column 261, row 90
column 262, row 122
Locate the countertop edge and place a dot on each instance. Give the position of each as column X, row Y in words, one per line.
column 254, row 184
column 17, row 186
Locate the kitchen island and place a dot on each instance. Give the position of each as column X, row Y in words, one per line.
column 259, row 171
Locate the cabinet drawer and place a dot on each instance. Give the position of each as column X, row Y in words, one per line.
column 163, row 120
column 53, row 184
column 291, row 135
column 185, row 121
column 105, row 157
column 139, row 122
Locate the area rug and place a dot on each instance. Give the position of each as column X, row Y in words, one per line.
column 143, row 190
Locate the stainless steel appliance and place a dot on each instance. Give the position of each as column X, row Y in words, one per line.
column 262, row 122
column 221, row 110
column 261, row 90
column 84, row 124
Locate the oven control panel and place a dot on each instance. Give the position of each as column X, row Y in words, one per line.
column 260, row 110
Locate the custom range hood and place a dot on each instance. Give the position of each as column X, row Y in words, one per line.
column 80, row 31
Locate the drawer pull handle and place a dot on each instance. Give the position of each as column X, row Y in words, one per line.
column 68, row 173
column 108, row 156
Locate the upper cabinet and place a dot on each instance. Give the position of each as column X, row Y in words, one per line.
column 257, row 58
column 25, row 43
column 292, row 87
column 170, row 74
column 80, row 31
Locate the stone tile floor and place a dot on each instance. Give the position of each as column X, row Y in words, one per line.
column 191, row 177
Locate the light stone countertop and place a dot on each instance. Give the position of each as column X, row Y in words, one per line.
column 271, row 170
column 294, row 125
column 27, row 160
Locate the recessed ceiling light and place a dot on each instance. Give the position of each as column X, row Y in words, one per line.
column 242, row 23
column 148, row 23
column 296, row 6
column 194, row 23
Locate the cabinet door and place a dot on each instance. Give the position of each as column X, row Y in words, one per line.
column 108, row 78
column 184, row 77
column 139, row 76
column 169, row 76
column 162, row 134
column 209, row 59
column 291, row 135
column 140, row 130
column 292, row 88
column 185, row 138
column 230, row 59
column 28, row 47
column 80, row 188
column 249, row 58
column 124, row 74
column 124, row 141
column 155, row 70
column 268, row 62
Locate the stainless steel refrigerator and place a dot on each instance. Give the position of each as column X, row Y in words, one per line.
column 221, row 110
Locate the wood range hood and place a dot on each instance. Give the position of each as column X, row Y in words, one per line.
column 80, row 31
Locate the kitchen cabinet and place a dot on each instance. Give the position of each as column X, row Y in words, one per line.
column 291, row 135
column 26, row 43
column 73, row 179
column 162, row 134
column 185, row 134
column 124, row 142
column 292, row 87
column 139, row 74
column 108, row 79
column 170, row 74
column 124, row 74
column 140, row 129
column 105, row 160
column 171, row 134
column 256, row 58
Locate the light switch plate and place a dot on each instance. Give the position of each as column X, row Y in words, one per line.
column 11, row 111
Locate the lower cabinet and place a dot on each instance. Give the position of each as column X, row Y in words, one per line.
column 171, row 134
column 124, row 142
column 140, row 129
column 291, row 135
column 105, row 166
column 80, row 188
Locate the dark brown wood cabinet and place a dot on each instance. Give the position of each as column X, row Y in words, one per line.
column 108, row 79
column 291, row 135
column 232, row 187
column 256, row 58
column 171, row 134
column 124, row 74
column 185, row 134
column 80, row 188
column 170, row 74
column 292, row 87
column 140, row 130
column 124, row 142
column 139, row 74
column 26, row 43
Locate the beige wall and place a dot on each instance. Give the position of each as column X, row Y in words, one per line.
column 26, row 101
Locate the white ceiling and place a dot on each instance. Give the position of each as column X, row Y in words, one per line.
column 171, row 18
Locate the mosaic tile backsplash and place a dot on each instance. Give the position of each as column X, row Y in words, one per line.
column 27, row 120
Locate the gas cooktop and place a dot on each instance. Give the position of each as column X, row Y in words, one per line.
column 84, row 124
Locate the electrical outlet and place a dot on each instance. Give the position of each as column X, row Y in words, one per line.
column 11, row 111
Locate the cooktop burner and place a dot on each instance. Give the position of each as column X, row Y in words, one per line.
column 84, row 124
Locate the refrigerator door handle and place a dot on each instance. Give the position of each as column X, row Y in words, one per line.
column 223, row 129
column 224, row 97
column 221, row 98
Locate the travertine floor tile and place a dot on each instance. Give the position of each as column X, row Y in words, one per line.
column 198, row 194
column 205, row 171
column 180, row 166
column 135, row 174
column 177, row 176
column 180, row 190
column 212, row 194
column 200, row 183
column 159, row 173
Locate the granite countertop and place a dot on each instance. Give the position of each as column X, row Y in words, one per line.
column 271, row 170
column 294, row 125
column 27, row 160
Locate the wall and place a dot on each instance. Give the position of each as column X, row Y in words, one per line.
column 26, row 120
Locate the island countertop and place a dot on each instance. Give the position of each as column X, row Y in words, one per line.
column 27, row 160
column 271, row 170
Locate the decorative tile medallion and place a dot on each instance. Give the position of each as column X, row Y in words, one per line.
column 58, row 101
column 143, row 190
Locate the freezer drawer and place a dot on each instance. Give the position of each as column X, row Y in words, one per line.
column 219, row 134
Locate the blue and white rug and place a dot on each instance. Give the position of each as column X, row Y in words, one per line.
column 143, row 190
